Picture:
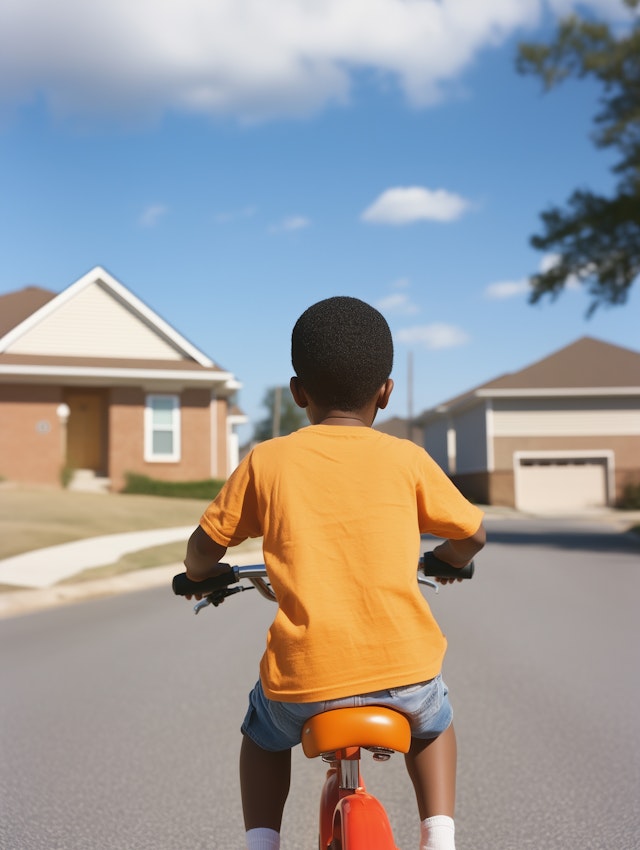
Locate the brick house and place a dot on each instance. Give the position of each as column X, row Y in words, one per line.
column 92, row 380
column 561, row 434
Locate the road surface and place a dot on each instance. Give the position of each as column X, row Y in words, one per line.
column 119, row 717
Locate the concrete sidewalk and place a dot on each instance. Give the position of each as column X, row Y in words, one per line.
column 46, row 567
column 35, row 574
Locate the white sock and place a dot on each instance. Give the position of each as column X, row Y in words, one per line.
column 437, row 833
column 263, row 839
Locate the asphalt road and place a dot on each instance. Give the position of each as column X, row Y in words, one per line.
column 119, row 717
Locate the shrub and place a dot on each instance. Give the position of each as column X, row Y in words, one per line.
column 143, row 485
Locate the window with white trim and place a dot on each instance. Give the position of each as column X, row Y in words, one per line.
column 162, row 428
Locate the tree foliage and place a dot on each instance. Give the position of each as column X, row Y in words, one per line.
column 595, row 238
column 283, row 417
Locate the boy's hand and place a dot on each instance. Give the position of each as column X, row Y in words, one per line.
column 459, row 553
column 214, row 588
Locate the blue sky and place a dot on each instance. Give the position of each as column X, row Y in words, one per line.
column 231, row 167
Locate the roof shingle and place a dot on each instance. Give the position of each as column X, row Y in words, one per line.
column 15, row 307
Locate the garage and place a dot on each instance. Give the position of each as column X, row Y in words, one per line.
column 561, row 483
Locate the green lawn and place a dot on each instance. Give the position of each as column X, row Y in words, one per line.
column 31, row 518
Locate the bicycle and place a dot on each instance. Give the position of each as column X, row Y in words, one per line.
column 349, row 818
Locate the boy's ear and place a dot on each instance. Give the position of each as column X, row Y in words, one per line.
column 384, row 394
column 298, row 393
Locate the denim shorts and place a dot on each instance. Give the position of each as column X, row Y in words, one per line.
column 276, row 726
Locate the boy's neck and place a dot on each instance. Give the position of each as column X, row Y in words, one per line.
column 344, row 419
column 319, row 414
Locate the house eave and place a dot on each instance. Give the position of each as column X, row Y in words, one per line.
column 556, row 392
column 486, row 394
column 223, row 383
column 237, row 419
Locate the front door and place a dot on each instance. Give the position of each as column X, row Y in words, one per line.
column 85, row 431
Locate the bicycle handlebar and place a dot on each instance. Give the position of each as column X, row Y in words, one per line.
column 183, row 586
column 432, row 566
column 218, row 586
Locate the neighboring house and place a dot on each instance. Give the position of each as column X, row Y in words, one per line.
column 92, row 379
column 561, row 434
column 399, row 427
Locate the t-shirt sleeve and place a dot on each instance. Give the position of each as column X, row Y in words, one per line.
column 442, row 509
column 233, row 515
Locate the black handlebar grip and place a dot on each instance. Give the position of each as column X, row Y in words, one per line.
column 433, row 567
column 183, row 586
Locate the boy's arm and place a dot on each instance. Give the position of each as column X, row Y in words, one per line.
column 458, row 553
column 202, row 556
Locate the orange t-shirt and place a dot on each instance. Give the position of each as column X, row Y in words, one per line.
column 341, row 510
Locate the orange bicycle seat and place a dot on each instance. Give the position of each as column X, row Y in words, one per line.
column 364, row 726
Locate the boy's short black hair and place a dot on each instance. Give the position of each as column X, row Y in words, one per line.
column 342, row 352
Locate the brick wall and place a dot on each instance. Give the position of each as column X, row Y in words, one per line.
column 126, row 438
column 31, row 436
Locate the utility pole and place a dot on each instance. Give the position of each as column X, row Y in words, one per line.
column 277, row 406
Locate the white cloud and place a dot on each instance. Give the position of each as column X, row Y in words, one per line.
column 294, row 222
column 152, row 214
column 399, row 303
column 436, row 335
column 246, row 58
column 507, row 289
column 513, row 288
column 548, row 261
column 405, row 205
column 573, row 280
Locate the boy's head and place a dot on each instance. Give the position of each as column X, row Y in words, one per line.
column 342, row 352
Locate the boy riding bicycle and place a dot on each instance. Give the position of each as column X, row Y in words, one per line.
column 340, row 508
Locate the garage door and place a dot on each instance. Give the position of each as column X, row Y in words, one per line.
column 545, row 485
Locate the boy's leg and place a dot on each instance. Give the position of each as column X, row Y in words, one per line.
column 432, row 767
column 264, row 782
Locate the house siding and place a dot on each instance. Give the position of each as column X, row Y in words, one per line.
column 591, row 417
column 72, row 330
column 436, row 442
column 471, row 441
column 31, row 435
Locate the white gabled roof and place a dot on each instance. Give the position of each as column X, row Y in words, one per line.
column 141, row 318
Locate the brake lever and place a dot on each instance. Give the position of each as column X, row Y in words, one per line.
column 423, row 580
column 201, row 604
column 218, row 597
